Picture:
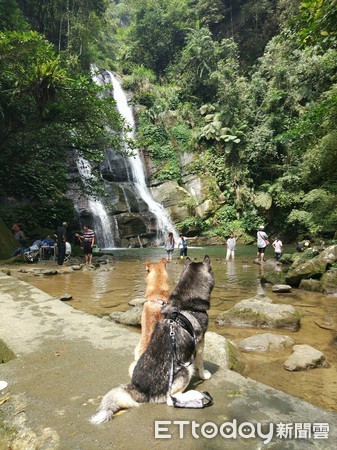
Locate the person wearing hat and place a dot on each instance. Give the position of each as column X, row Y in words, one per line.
column 61, row 237
column 262, row 242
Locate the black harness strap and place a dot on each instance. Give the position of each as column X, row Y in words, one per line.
column 181, row 320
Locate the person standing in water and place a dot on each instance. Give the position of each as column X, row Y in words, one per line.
column 182, row 246
column 88, row 241
column 169, row 246
column 231, row 246
column 262, row 242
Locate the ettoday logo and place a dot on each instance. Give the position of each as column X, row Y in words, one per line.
column 245, row 430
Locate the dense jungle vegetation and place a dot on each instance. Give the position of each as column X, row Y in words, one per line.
column 249, row 85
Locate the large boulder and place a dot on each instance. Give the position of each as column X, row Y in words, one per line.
column 260, row 312
column 314, row 268
column 222, row 352
column 328, row 282
column 311, row 285
column 273, row 277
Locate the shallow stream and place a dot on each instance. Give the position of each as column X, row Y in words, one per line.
column 101, row 292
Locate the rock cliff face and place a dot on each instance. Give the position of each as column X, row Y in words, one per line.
column 132, row 223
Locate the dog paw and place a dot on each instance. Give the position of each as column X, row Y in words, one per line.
column 206, row 375
column 169, row 401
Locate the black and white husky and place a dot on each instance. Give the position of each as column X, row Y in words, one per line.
column 165, row 368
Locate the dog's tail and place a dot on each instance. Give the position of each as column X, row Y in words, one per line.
column 122, row 397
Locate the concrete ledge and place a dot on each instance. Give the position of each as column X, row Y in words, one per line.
column 66, row 360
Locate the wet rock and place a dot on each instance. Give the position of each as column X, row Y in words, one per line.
column 328, row 282
column 273, row 277
column 305, row 357
column 222, row 352
column 88, row 268
column 65, row 297
column 76, row 267
column 47, row 272
column 286, row 258
column 311, row 285
column 260, row 312
column 313, row 268
column 302, row 257
column 281, row 288
column 329, row 255
column 131, row 317
column 139, row 301
column 266, row 342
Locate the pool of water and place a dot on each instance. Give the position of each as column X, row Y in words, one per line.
column 103, row 291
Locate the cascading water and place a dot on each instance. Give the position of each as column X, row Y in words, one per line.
column 127, row 215
column 164, row 223
column 102, row 225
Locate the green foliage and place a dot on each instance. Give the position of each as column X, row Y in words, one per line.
column 156, row 33
column 317, row 23
column 47, row 111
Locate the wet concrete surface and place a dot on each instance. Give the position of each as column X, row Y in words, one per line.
column 66, row 360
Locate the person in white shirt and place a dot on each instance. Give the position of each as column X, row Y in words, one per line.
column 262, row 242
column 278, row 247
column 231, row 245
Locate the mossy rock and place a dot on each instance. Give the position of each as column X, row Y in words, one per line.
column 260, row 312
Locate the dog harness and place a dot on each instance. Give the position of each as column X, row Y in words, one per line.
column 206, row 399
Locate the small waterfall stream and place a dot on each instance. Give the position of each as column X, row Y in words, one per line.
column 102, row 225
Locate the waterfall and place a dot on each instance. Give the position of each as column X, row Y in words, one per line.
column 164, row 223
column 102, row 225
column 132, row 214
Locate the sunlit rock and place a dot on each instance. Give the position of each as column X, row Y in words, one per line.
column 305, row 357
column 261, row 312
column 266, row 342
column 222, row 352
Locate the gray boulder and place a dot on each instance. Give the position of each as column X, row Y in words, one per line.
column 328, row 282
column 222, row 352
column 131, row 317
column 273, row 277
column 311, row 285
column 266, row 342
column 314, row 268
column 305, row 357
column 261, row 312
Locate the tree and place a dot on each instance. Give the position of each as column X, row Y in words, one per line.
column 47, row 111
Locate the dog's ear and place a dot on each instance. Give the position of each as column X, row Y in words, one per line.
column 207, row 261
column 187, row 261
column 163, row 261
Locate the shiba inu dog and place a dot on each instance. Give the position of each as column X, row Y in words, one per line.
column 166, row 366
column 157, row 294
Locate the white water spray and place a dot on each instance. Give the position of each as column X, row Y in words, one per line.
column 102, row 224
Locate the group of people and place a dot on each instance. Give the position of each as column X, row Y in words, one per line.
column 170, row 245
column 262, row 243
column 59, row 247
